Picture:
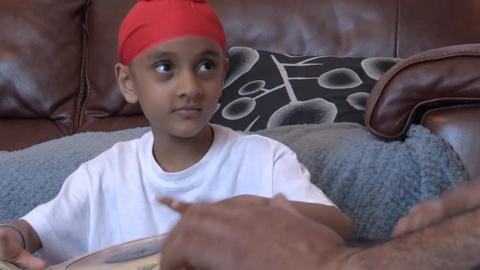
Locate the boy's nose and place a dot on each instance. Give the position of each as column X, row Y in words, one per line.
column 189, row 86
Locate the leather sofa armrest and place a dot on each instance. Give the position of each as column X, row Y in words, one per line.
column 460, row 127
column 438, row 78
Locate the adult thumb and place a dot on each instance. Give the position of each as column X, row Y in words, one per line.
column 279, row 200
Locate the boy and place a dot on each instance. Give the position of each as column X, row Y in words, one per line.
column 172, row 62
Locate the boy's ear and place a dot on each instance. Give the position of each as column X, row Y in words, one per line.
column 125, row 82
column 226, row 65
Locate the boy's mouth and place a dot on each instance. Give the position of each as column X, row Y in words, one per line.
column 187, row 111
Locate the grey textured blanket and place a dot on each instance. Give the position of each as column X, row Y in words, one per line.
column 372, row 181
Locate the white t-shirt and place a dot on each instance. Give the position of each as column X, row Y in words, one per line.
column 111, row 199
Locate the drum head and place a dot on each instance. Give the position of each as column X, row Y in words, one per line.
column 7, row 266
column 142, row 254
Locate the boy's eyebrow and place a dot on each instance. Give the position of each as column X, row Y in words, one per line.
column 160, row 54
column 210, row 52
column 166, row 54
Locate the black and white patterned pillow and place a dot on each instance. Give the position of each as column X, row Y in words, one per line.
column 266, row 89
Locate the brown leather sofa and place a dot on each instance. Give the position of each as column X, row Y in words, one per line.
column 57, row 57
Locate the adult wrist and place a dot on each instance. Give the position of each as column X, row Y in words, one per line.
column 354, row 259
column 18, row 231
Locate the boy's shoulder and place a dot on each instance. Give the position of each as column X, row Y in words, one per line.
column 122, row 151
column 244, row 139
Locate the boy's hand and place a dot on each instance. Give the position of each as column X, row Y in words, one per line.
column 11, row 250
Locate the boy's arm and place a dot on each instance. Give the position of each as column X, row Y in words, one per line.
column 13, row 237
column 293, row 179
column 32, row 241
column 328, row 215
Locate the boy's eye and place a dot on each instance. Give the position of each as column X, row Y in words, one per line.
column 206, row 66
column 163, row 67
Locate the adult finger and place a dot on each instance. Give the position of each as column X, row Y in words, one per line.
column 400, row 227
column 461, row 199
column 420, row 216
column 279, row 200
column 195, row 238
column 174, row 204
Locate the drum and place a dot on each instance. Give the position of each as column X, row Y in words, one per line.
column 141, row 254
column 8, row 266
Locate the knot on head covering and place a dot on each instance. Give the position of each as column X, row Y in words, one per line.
column 150, row 22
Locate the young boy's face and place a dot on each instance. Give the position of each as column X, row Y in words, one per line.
column 177, row 83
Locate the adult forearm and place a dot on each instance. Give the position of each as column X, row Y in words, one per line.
column 452, row 244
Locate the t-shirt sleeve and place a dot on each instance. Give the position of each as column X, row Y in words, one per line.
column 63, row 223
column 291, row 178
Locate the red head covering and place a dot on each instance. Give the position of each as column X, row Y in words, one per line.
column 150, row 22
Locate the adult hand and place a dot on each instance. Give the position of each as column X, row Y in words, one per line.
column 234, row 235
column 461, row 199
column 11, row 250
column 181, row 206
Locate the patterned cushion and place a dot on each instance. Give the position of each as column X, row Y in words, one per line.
column 266, row 89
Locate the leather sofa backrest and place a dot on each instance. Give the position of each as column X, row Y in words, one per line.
column 40, row 70
column 428, row 24
column 396, row 28
column 57, row 57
